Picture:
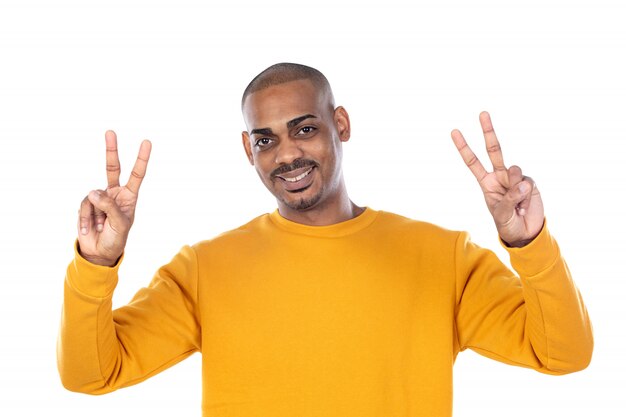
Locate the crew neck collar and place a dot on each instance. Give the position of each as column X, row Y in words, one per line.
column 333, row 230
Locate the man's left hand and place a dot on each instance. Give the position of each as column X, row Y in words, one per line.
column 512, row 198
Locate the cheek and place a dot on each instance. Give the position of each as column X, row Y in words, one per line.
column 332, row 153
column 321, row 151
column 263, row 164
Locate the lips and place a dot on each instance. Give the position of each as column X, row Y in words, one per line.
column 296, row 174
column 298, row 179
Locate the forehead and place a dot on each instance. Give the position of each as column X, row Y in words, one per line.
column 276, row 105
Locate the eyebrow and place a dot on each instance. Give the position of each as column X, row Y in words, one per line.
column 290, row 124
column 265, row 131
column 297, row 120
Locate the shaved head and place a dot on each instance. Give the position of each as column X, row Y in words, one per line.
column 285, row 72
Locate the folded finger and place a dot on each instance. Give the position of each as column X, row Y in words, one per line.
column 106, row 208
column 515, row 175
column 99, row 217
column 518, row 197
column 85, row 216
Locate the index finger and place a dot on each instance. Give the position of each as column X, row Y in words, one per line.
column 140, row 167
column 469, row 157
column 113, row 160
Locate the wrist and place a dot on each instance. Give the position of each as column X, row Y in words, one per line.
column 516, row 244
column 520, row 243
column 90, row 279
column 98, row 260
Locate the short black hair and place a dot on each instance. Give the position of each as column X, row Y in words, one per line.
column 282, row 73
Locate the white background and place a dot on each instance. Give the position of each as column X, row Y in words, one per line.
column 551, row 73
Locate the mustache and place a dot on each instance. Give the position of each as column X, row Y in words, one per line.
column 297, row 164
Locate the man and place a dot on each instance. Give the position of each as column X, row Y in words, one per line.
column 323, row 307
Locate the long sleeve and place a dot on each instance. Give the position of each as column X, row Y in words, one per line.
column 537, row 320
column 100, row 350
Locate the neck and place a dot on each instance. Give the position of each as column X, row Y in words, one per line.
column 332, row 211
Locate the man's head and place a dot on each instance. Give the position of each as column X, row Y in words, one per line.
column 285, row 72
column 294, row 136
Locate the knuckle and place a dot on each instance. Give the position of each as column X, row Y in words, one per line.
column 104, row 201
column 462, row 146
column 471, row 161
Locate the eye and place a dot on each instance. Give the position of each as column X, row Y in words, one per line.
column 306, row 130
column 263, row 142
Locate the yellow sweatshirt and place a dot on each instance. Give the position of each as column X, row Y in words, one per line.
column 363, row 318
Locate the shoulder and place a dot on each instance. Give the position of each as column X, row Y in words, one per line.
column 426, row 244
column 239, row 237
column 399, row 224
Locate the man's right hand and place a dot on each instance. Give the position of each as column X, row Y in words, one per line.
column 105, row 216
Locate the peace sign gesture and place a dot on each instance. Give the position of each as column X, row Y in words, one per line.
column 105, row 216
column 512, row 198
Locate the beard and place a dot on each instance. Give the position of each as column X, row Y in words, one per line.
column 303, row 204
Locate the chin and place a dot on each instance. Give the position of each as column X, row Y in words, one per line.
column 304, row 202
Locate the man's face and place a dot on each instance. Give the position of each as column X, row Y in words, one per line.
column 294, row 141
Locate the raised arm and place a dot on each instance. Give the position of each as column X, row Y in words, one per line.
column 101, row 349
column 536, row 319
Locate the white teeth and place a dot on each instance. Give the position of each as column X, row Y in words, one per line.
column 299, row 177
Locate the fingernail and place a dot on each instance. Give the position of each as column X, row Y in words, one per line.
column 523, row 187
column 99, row 227
column 83, row 230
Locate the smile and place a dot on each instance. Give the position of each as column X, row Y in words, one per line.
column 298, row 177
column 298, row 180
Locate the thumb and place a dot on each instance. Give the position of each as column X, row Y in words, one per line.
column 518, row 197
column 105, row 204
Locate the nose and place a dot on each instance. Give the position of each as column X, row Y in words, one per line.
column 287, row 151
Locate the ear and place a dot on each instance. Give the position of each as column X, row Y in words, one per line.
column 342, row 122
column 245, row 140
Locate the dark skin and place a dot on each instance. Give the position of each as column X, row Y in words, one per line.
column 294, row 140
column 294, row 122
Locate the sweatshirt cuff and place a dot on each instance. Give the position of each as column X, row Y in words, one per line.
column 92, row 280
column 537, row 256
